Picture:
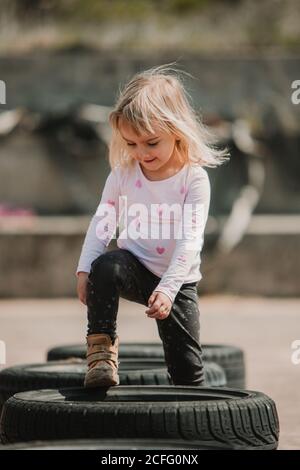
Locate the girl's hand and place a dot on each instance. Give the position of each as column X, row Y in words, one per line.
column 81, row 286
column 160, row 306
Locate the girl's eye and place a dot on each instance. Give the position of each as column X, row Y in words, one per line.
column 151, row 145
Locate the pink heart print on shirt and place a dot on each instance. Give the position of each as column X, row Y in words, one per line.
column 160, row 250
column 138, row 183
column 182, row 189
column 112, row 203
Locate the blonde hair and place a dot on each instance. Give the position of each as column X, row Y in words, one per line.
column 158, row 95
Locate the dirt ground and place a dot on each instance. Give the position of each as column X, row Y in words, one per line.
column 265, row 328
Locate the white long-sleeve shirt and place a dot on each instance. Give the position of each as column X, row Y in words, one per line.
column 167, row 242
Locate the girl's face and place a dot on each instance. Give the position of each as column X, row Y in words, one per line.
column 154, row 151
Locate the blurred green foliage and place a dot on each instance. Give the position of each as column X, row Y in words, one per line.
column 98, row 10
column 193, row 25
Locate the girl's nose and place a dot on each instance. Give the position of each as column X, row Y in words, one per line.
column 144, row 156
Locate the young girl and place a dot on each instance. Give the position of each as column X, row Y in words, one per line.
column 157, row 153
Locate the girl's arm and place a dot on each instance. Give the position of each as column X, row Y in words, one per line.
column 101, row 230
column 190, row 244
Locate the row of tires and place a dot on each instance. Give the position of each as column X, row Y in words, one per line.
column 229, row 358
column 140, row 364
column 47, row 402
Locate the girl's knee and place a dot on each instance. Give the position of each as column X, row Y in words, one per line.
column 105, row 267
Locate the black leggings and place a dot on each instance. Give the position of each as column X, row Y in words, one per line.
column 119, row 273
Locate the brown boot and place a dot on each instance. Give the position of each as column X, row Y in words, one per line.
column 102, row 361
